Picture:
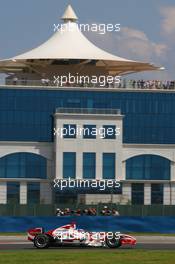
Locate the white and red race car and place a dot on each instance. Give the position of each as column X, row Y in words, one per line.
column 70, row 235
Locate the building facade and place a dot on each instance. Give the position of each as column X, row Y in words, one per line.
column 142, row 157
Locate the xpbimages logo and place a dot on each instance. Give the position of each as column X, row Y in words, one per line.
column 82, row 183
column 101, row 132
column 98, row 28
column 73, row 234
column 81, row 80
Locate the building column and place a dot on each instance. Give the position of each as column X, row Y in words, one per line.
column 23, row 192
column 147, row 193
column 79, row 165
column 45, row 193
column 58, row 155
column 119, row 165
column 166, row 194
column 119, row 151
column 126, row 190
column 50, row 171
column 123, row 174
column 99, row 166
column 59, row 166
column 172, row 176
column 172, row 193
column 3, row 192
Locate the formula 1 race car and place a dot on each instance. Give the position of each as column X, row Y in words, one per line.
column 70, row 235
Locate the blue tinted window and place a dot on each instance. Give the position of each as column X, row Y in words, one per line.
column 33, row 193
column 148, row 167
column 109, row 132
column 137, row 193
column 89, row 165
column 27, row 114
column 89, row 131
column 69, row 131
column 108, row 165
column 13, row 192
column 156, row 193
column 23, row 165
column 69, row 165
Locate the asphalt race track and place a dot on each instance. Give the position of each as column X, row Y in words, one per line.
column 139, row 246
column 151, row 243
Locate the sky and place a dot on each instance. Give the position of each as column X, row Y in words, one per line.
column 147, row 28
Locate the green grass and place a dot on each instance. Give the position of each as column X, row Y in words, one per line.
column 12, row 234
column 96, row 256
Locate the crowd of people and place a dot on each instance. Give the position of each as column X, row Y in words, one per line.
column 86, row 211
column 147, row 84
column 132, row 84
column 124, row 83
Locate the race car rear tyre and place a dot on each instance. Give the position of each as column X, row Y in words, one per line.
column 41, row 241
column 113, row 242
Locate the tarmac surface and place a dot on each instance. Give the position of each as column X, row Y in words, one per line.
column 143, row 242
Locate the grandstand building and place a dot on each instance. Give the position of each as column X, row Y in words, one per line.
column 33, row 106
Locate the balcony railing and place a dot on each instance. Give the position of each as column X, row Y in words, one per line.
column 88, row 111
column 124, row 84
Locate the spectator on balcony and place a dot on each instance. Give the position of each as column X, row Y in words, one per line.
column 172, row 85
column 133, row 84
column 107, row 84
column 43, row 81
column 138, row 84
column 124, row 83
column 15, row 80
column 47, row 81
column 81, row 84
column 142, row 84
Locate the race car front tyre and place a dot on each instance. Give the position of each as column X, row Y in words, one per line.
column 113, row 242
column 41, row 241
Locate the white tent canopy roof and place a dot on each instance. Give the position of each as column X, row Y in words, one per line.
column 70, row 44
column 69, row 14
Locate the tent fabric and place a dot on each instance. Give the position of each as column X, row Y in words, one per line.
column 70, row 44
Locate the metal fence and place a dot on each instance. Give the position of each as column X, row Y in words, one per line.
column 50, row 210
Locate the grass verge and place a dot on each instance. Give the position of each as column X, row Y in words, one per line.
column 96, row 256
column 12, row 234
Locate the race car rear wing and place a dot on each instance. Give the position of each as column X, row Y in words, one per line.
column 31, row 233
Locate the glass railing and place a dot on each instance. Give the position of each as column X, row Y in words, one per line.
column 88, row 111
column 124, row 84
